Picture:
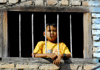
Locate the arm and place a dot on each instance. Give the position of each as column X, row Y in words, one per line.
column 39, row 55
column 66, row 54
column 50, row 55
column 39, row 49
column 58, row 60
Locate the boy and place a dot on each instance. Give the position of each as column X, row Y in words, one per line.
column 52, row 51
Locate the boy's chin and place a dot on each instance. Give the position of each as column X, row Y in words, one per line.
column 52, row 40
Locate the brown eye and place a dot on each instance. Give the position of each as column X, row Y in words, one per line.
column 54, row 30
column 49, row 30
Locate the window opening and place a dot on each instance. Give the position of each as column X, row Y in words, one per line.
column 77, row 35
column 13, row 35
column 26, row 34
column 32, row 26
column 76, row 30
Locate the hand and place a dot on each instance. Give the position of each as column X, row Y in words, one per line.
column 51, row 55
column 58, row 60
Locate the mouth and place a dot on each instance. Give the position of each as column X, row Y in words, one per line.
column 52, row 36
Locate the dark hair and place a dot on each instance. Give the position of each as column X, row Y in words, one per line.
column 51, row 24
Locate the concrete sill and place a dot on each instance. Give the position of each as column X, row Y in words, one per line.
column 46, row 64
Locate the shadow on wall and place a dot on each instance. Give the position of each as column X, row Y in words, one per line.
column 65, row 63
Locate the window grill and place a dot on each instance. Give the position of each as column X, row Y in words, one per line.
column 32, row 35
column 32, row 18
column 19, row 35
column 71, row 35
column 45, row 34
column 58, row 15
column 58, row 32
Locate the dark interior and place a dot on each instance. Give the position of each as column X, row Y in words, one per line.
column 26, row 33
column 77, row 35
column 13, row 34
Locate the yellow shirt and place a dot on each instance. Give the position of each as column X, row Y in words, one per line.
column 51, row 48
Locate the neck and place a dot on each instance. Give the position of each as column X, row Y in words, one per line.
column 53, row 41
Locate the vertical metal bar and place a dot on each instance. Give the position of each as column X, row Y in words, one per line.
column 32, row 35
column 45, row 34
column 58, row 32
column 71, row 36
column 19, row 35
column 70, row 2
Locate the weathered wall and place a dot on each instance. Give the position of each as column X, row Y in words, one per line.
column 81, row 4
column 96, row 34
column 94, row 9
column 7, row 4
column 91, row 6
column 42, row 64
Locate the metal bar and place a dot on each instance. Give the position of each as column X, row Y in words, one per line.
column 32, row 35
column 58, row 32
column 70, row 2
column 71, row 35
column 45, row 34
column 19, row 35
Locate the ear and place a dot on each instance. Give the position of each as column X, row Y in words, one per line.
column 44, row 34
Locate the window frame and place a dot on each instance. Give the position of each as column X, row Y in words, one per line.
column 87, row 35
column 5, row 35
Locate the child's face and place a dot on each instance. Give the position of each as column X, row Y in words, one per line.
column 51, row 33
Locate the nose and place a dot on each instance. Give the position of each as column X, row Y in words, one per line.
column 51, row 32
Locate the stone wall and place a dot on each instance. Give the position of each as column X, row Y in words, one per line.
column 96, row 34
column 7, row 3
column 42, row 64
column 95, row 5
column 60, row 3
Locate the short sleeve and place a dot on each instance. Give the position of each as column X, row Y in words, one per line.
column 39, row 48
column 65, row 49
